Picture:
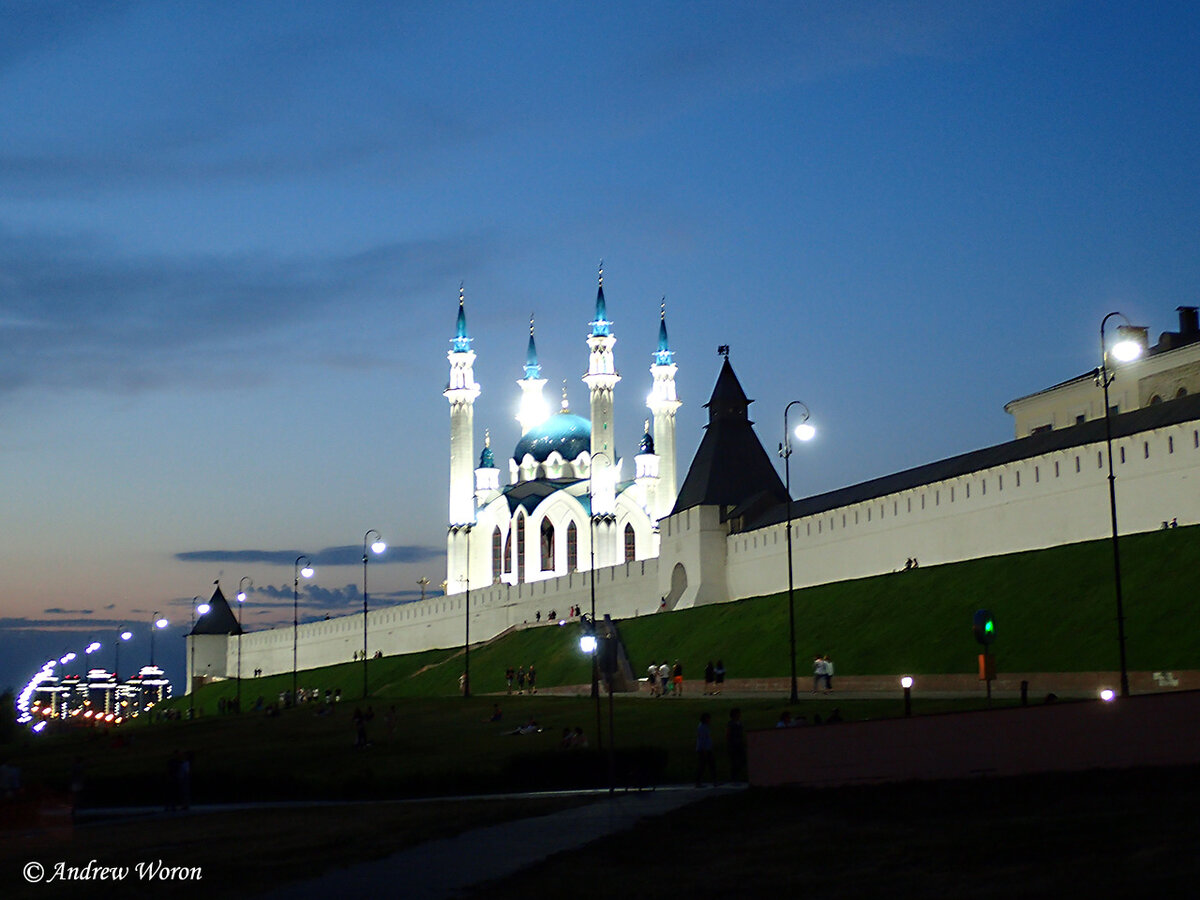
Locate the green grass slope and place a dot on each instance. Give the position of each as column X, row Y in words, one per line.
column 1055, row 611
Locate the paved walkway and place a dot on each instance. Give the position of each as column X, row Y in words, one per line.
column 445, row 868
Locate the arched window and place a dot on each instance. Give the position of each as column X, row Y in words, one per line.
column 497, row 554
column 520, row 526
column 547, row 546
column 1182, row 392
column 572, row 547
column 630, row 543
column 508, row 554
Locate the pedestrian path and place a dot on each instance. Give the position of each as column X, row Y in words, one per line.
column 445, row 868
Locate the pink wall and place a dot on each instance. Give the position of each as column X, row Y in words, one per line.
column 1155, row 729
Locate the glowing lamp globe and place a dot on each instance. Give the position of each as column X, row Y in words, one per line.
column 587, row 643
column 378, row 547
column 906, row 682
column 307, row 571
column 203, row 609
column 804, row 432
column 161, row 623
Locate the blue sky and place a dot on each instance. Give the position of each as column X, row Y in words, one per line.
column 232, row 235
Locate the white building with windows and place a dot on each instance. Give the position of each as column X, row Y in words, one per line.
column 570, row 501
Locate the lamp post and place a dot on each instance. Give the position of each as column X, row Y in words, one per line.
column 203, row 609
column 241, row 599
column 906, row 682
column 1127, row 347
column 156, row 622
column 804, row 432
column 467, row 622
column 377, row 547
column 121, row 636
column 592, row 519
column 307, row 571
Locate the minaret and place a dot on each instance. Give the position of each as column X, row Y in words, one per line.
column 533, row 410
column 461, row 393
column 663, row 403
column 487, row 476
column 601, row 378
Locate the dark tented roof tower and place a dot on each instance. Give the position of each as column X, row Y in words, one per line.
column 219, row 619
column 731, row 467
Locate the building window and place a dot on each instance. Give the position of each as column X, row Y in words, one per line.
column 937, row 498
column 868, row 514
column 1037, row 474
column 922, row 501
column 1000, row 479
column 1170, row 444
column 968, row 490
column 508, row 555
column 910, row 504
column 1181, row 393
column 547, row 546
column 1077, row 464
column 1196, row 438
column 983, row 486
column 572, row 547
column 951, row 493
column 843, row 520
column 1018, row 479
column 520, row 526
column 1056, row 468
column 631, row 543
column 1122, row 456
column 497, row 554
column 1155, row 400
column 1099, row 460
column 1145, row 449
column 1080, row 419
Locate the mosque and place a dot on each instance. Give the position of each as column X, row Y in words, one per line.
column 575, row 521
column 568, row 504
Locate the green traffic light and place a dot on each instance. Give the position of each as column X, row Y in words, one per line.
column 990, row 626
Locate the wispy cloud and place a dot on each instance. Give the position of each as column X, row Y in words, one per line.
column 346, row 555
column 75, row 312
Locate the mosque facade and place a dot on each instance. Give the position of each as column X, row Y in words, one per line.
column 573, row 522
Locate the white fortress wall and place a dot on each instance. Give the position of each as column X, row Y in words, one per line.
column 622, row 591
column 1044, row 501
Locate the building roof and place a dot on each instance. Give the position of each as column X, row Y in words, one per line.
column 730, row 466
column 565, row 432
column 1172, row 412
column 219, row 619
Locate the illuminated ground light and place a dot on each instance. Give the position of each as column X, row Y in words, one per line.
column 1107, row 695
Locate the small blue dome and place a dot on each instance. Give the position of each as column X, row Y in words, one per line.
column 487, row 459
column 565, row 432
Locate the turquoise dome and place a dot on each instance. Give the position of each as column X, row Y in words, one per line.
column 565, row 432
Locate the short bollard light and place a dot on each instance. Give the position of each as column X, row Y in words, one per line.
column 906, row 682
column 1107, row 695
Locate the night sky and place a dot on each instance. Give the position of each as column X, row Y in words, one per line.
column 232, row 237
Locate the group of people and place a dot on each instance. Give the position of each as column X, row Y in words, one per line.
column 735, row 748
column 573, row 740
column 522, row 677
column 665, row 679
column 822, row 674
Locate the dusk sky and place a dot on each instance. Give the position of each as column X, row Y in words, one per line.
column 232, row 237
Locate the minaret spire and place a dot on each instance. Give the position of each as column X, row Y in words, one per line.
column 602, row 377
column 663, row 402
column 461, row 392
column 533, row 409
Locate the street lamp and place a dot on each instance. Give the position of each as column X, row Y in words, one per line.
column 467, row 622
column 1127, row 347
column 804, row 432
column 241, row 599
column 593, row 517
column 156, row 623
column 122, row 636
column 202, row 609
column 377, row 547
column 307, row 571
column 906, row 682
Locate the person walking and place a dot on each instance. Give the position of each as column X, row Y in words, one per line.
column 705, row 760
column 652, row 679
column 677, row 678
column 719, row 677
column 710, row 676
column 818, row 673
column 664, row 678
column 827, row 674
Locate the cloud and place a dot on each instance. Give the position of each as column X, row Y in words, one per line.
column 59, row 611
column 75, row 312
column 346, row 555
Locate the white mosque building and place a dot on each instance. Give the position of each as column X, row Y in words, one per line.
column 571, row 502
column 526, row 548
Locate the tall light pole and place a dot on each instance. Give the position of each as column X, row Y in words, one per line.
column 1126, row 348
column 202, row 608
column 156, row 623
column 804, row 432
column 121, row 636
column 307, row 571
column 241, row 599
column 377, row 547
column 467, row 623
